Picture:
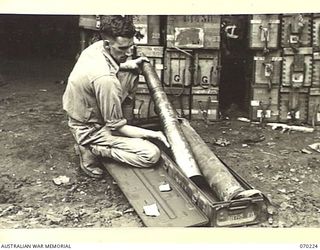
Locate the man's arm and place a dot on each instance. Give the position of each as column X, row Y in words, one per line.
column 132, row 131
column 134, row 63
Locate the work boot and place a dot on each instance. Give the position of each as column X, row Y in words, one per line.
column 89, row 163
column 101, row 151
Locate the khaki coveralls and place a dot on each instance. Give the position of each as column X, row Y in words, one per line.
column 92, row 99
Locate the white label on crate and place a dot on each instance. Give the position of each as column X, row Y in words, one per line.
column 259, row 58
column 275, row 113
column 255, row 21
column 189, row 37
column 136, row 111
column 276, row 59
column 297, row 115
column 159, row 66
column 205, row 91
column 274, row 21
column 316, row 53
column 255, row 103
column 294, row 39
column 194, row 111
column 259, row 112
column 141, row 78
column 212, row 111
column 297, row 77
column 170, row 37
column 266, row 115
column 318, row 117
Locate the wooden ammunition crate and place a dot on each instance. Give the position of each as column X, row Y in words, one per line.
column 316, row 70
column 193, row 31
column 267, row 68
column 207, row 68
column 264, row 31
column 205, row 104
column 180, row 99
column 297, row 67
column 296, row 30
column 143, row 108
column 293, row 104
column 177, row 68
column 314, row 106
column 316, row 32
column 90, row 22
column 155, row 56
column 264, row 103
column 149, row 28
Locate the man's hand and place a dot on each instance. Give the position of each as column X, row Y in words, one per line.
column 161, row 137
column 134, row 64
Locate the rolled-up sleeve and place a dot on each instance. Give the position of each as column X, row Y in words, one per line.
column 109, row 98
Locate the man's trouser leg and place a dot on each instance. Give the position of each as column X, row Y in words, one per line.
column 102, row 142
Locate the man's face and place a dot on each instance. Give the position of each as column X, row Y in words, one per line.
column 121, row 48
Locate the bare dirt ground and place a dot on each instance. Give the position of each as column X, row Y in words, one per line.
column 36, row 147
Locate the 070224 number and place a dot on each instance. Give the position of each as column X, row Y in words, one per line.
column 308, row 246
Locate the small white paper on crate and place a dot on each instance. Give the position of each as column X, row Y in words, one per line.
column 151, row 210
column 165, row 187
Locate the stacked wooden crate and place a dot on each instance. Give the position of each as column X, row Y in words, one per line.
column 264, row 39
column 314, row 94
column 150, row 45
column 192, row 64
column 296, row 43
column 89, row 26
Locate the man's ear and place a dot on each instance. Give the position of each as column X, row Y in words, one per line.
column 106, row 43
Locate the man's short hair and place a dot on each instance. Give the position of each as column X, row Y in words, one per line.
column 117, row 25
